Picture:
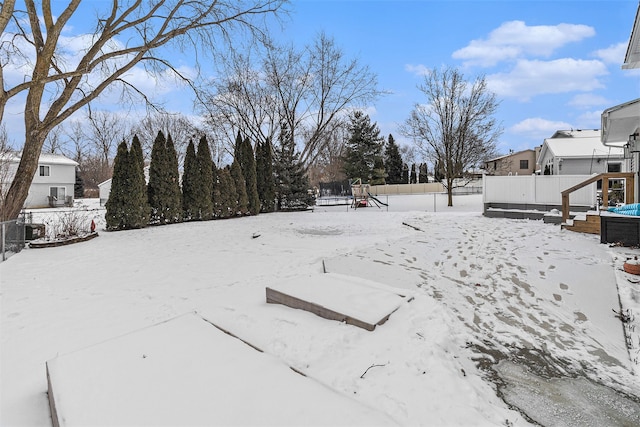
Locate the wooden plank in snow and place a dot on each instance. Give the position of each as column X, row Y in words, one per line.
column 356, row 301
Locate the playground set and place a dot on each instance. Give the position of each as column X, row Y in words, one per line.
column 361, row 195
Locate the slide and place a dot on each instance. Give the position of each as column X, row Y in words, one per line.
column 375, row 199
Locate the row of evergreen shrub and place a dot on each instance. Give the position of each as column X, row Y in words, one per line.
column 250, row 185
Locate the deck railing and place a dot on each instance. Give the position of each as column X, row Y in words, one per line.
column 629, row 189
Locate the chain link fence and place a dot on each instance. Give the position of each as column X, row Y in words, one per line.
column 12, row 237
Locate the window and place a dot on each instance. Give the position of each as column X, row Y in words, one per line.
column 524, row 164
column 44, row 170
column 57, row 193
column 614, row 167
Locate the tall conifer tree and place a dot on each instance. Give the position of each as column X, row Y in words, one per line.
column 264, row 176
column 138, row 190
column 405, row 174
column 378, row 174
column 362, row 147
column 242, row 207
column 216, row 196
column 117, row 205
column 190, row 183
column 393, row 162
column 205, row 169
column 248, row 165
column 165, row 198
column 228, row 196
column 292, row 183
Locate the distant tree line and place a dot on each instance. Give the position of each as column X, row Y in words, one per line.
column 255, row 181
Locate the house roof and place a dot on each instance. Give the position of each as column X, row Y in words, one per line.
column 45, row 158
column 621, row 121
column 508, row 155
column 578, row 144
column 56, row 159
column 632, row 58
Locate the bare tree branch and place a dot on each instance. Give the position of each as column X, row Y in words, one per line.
column 146, row 27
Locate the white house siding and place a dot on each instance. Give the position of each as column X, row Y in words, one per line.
column 62, row 174
column 537, row 190
column 105, row 190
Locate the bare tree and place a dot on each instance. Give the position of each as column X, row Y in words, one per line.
column 7, row 155
column 76, row 138
column 127, row 33
column 309, row 91
column 53, row 143
column 180, row 127
column 455, row 127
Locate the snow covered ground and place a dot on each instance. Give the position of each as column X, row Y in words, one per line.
column 506, row 314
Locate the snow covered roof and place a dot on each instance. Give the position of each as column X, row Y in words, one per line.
column 579, row 144
column 56, row 159
column 45, row 158
column 632, row 57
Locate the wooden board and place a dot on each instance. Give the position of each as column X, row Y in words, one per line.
column 355, row 301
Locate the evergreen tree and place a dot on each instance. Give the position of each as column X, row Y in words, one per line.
column 78, row 187
column 413, row 177
column 118, row 206
column 215, row 192
column 292, row 184
column 242, row 206
column 163, row 190
column 422, row 173
column 378, row 174
column 206, row 174
column 138, row 186
column 248, row 165
column 190, row 184
column 438, row 174
column 362, row 147
column 405, row 174
column 228, row 201
column 266, row 186
column 393, row 162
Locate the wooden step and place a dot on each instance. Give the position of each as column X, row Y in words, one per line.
column 589, row 225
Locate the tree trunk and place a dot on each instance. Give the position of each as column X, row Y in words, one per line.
column 449, row 192
column 19, row 190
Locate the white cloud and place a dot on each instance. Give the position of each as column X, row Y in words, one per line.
column 419, row 70
column 613, row 54
column 514, row 39
column 589, row 120
column 537, row 127
column 587, row 100
column 530, row 78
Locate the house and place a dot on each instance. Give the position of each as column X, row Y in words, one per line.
column 52, row 184
column 105, row 186
column 579, row 152
column 519, row 163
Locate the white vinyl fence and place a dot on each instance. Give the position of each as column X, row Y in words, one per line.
column 421, row 188
column 537, row 189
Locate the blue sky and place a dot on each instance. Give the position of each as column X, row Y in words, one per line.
column 552, row 64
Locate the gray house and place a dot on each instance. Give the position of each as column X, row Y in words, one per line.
column 579, row 152
column 52, row 184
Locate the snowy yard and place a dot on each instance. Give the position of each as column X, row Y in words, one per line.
column 506, row 314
